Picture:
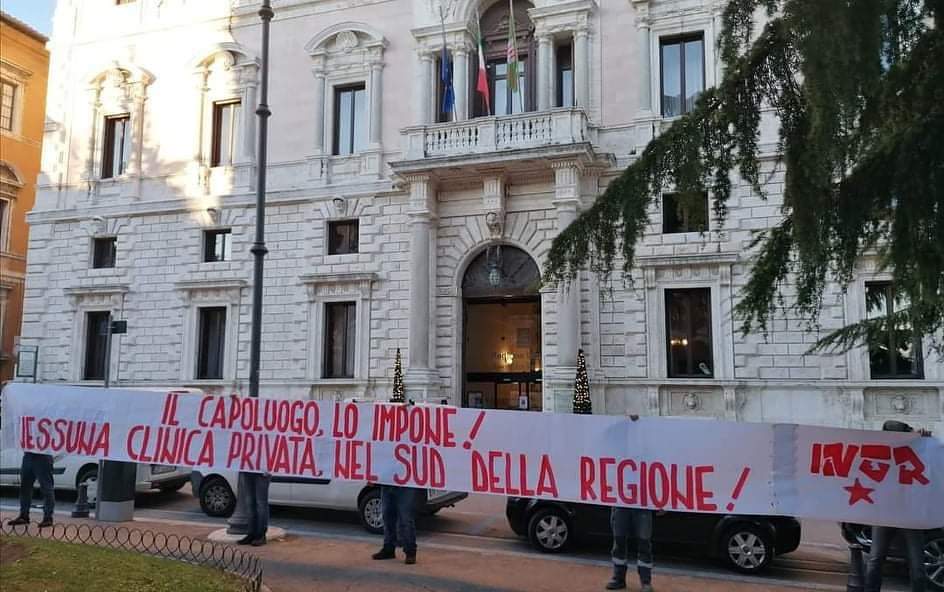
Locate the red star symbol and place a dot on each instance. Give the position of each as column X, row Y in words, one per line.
column 858, row 492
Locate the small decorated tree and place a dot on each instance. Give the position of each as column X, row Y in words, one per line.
column 399, row 394
column 582, row 403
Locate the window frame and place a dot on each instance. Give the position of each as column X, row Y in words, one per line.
column 337, row 91
column 90, row 334
column 216, row 132
column 201, row 370
column 16, row 91
column 214, row 234
column 493, row 78
column 349, row 347
column 682, row 229
column 918, row 373
column 330, row 245
column 96, row 263
column 559, row 75
column 108, row 146
column 681, row 40
column 6, row 225
column 709, row 320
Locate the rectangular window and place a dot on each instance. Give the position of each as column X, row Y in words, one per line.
column 684, row 212
column 896, row 351
column 504, row 100
column 211, row 342
column 225, row 132
column 339, row 339
column 682, row 61
column 350, row 119
column 104, row 252
column 4, row 209
column 216, row 245
column 116, row 147
column 342, row 237
column 565, row 76
column 96, row 340
column 688, row 333
column 7, row 100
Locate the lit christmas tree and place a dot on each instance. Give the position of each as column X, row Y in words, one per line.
column 582, row 403
column 399, row 395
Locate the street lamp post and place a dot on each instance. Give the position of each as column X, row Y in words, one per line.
column 238, row 524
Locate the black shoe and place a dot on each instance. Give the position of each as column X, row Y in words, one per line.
column 246, row 540
column 46, row 523
column 258, row 542
column 384, row 553
column 410, row 558
column 18, row 521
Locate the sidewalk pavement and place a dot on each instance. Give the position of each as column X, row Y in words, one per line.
column 314, row 564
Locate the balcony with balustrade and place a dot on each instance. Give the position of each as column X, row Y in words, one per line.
column 497, row 140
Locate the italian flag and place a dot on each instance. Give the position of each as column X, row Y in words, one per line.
column 481, row 84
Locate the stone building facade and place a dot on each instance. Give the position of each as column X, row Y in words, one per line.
column 395, row 223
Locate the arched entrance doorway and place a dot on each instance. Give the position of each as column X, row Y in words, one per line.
column 501, row 353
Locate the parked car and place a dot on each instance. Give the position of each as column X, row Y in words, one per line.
column 71, row 471
column 744, row 543
column 216, row 492
column 933, row 549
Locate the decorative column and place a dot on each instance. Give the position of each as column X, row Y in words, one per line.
column 376, row 94
column 199, row 170
column 460, row 81
column 137, row 127
column 545, row 73
column 645, row 73
column 566, row 201
column 319, row 111
column 582, row 66
column 423, row 86
column 248, row 123
column 421, row 377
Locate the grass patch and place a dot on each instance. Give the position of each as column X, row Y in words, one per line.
column 34, row 565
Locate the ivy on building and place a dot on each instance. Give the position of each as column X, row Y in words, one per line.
column 858, row 90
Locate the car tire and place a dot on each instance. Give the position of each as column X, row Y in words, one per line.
column 370, row 510
column 217, row 498
column 934, row 562
column 88, row 475
column 746, row 548
column 550, row 530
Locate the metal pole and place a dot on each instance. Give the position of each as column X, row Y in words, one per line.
column 238, row 524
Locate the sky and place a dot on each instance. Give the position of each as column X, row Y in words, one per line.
column 35, row 13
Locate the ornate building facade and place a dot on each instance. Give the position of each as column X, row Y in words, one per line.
column 400, row 219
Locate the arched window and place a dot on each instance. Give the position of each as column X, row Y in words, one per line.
column 505, row 96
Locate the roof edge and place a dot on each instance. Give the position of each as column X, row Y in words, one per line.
column 22, row 27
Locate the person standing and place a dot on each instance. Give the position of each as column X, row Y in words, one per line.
column 882, row 538
column 635, row 523
column 399, row 515
column 36, row 467
column 257, row 503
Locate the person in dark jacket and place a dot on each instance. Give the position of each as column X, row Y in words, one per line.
column 882, row 538
column 36, row 467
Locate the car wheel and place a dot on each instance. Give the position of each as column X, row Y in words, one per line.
column 549, row 530
column 747, row 548
column 88, row 476
column 370, row 510
column 217, row 498
column 934, row 562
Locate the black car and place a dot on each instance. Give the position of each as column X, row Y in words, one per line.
column 933, row 549
column 745, row 543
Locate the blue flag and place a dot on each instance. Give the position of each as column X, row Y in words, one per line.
column 445, row 74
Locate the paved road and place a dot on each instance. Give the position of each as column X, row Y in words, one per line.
column 479, row 523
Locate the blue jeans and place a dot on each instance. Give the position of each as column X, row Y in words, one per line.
column 914, row 547
column 257, row 503
column 399, row 516
column 36, row 467
column 633, row 523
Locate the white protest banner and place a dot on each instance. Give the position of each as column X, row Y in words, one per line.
column 872, row 477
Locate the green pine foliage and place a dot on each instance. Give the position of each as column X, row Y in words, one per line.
column 582, row 403
column 399, row 393
column 858, row 88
